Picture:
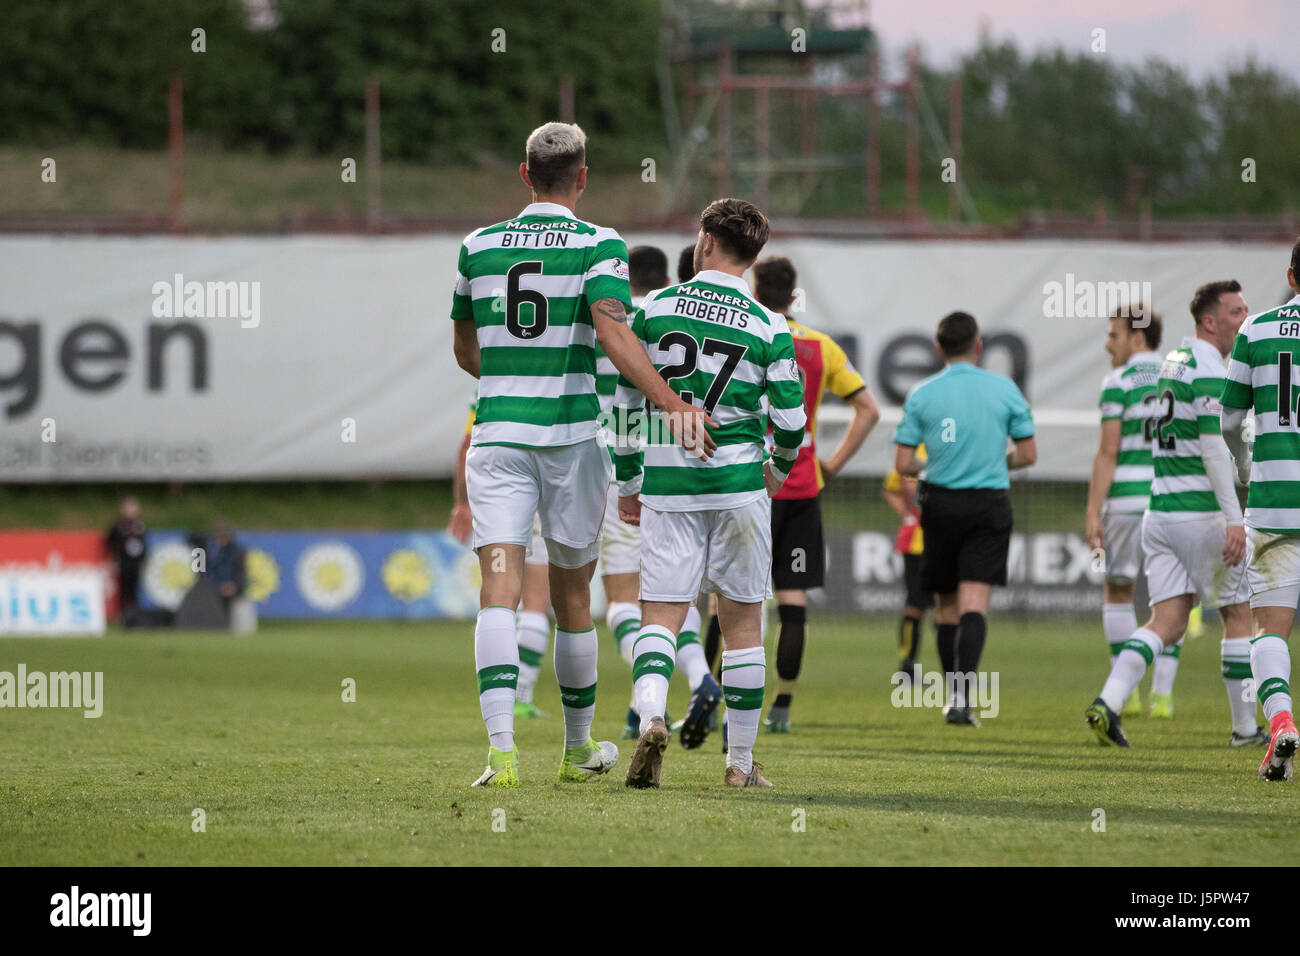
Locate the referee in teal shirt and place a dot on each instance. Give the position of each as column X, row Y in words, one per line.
column 964, row 416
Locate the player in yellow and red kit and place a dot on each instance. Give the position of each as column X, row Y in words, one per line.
column 900, row 492
column 798, row 551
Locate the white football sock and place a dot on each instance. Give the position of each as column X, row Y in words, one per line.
column 575, row 672
column 624, row 621
column 1118, row 621
column 496, row 658
column 1270, row 662
column 690, row 652
column 1166, row 668
column 1234, row 655
column 744, row 672
column 532, row 629
column 652, row 667
column 1130, row 664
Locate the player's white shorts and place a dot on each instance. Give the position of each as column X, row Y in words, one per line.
column 564, row 486
column 1123, row 534
column 728, row 551
column 1185, row 556
column 1273, row 573
column 620, row 542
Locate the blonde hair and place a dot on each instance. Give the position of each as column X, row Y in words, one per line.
column 554, row 153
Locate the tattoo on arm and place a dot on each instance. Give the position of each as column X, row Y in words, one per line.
column 611, row 309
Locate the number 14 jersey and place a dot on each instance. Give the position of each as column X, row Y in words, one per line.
column 1262, row 376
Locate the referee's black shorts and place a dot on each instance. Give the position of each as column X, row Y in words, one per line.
column 798, row 550
column 967, row 534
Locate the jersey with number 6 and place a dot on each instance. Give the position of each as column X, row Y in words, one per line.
column 1263, row 376
column 1187, row 407
column 528, row 285
column 719, row 349
column 1128, row 395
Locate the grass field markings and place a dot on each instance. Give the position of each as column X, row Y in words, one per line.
column 349, row 694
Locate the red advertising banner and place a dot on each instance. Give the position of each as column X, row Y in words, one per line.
column 60, row 551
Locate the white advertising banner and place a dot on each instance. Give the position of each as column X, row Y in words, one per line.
column 51, row 604
column 267, row 358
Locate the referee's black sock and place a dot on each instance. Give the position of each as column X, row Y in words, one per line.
column 712, row 642
column 947, row 642
column 909, row 642
column 970, row 641
column 789, row 651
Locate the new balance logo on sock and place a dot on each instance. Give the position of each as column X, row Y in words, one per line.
column 654, row 663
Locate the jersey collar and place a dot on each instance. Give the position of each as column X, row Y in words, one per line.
column 724, row 278
column 552, row 209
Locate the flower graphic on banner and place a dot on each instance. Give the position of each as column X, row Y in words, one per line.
column 168, row 574
column 263, row 575
column 407, row 575
column 330, row 575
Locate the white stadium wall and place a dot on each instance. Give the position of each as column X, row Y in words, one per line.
column 331, row 357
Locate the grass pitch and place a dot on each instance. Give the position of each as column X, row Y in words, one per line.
column 255, row 733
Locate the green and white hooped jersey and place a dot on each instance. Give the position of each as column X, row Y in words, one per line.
column 1186, row 407
column 528, row 285
column 1262, row 369
column 720, row 350
column 1128, row 395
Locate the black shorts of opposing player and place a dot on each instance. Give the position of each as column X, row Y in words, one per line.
column 967, row 535
column 917, row 596
column 798, row 549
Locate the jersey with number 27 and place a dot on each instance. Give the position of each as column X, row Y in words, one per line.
column 719, row 349
column 528, row 285
column 1262, row 375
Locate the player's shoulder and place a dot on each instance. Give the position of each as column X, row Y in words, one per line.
column 1206, row 360
column 474, row 234
column 800, row 331
column 657, row 299
column 1267, row 325
column 1178, row 355
column 776, row 322
column 599, row 233
column 922, row 388
column 1112, row 379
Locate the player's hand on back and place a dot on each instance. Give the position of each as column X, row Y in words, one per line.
column 772, row 478
column 1235, row 547
column 629, row 509
column 688, row 425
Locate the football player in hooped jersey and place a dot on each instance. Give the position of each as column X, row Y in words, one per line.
column 709, row 522
column 534, row 294
column 1262, row 378
column 1193, row 540
column 1120, row 487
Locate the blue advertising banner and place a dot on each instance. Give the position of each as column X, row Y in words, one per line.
column 413, row 574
